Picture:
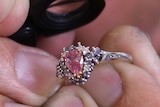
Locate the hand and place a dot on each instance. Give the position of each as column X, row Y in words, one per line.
column 27, row 74
column 12, row 15
column 140, row 80
column 25, row 84
column 23, row 80
column 119, row 83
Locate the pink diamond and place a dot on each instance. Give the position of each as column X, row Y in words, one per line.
column 74, row 61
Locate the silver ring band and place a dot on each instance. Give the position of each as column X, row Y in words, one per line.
column 77, row 61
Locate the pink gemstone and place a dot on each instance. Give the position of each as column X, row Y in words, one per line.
column 74, row 61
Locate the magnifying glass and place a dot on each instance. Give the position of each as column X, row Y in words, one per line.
column 51, row 17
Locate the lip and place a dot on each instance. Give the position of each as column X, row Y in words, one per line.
column 64, row 2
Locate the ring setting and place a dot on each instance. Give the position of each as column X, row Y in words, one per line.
column 78, row 61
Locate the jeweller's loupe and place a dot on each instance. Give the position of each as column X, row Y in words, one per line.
column 51, row 17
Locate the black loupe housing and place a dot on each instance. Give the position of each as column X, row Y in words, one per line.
column 41, row 21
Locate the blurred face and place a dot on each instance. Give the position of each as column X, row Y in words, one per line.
column 141, row 13
column 63, row 6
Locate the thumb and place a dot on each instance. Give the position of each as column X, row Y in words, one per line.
column 138, row 87
column 13, row 13
column 6, row 7
column 27, row 74
column 71, row 96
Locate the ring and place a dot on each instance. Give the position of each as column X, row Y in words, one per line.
column 77, row 62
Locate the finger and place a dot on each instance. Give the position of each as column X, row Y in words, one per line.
column 71, row 96
column 6, row 7
column 12, row 15
column 28, row 75
column 139, row 88
column 50, row 44
column 104, row 85
column 133, row 41
column 11, row 104
column 6, row 102
column 2, row 100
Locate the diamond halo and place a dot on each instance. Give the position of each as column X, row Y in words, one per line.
column 84, row 65
column 77, row 62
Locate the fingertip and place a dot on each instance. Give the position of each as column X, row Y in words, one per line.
column 104, row 85
column 137, row 84
column 132, row 40
column 15, row 19
column 71, row 96
column 6, row 7
column 28, row 74
column 11, row 104
column 123, row 38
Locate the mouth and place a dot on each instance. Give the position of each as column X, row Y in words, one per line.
column 65, row 6
column 63, row 2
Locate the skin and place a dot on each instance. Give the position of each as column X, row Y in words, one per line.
column 116, row 84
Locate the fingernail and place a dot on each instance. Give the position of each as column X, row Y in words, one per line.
column 6, row 7
column 36, row 70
